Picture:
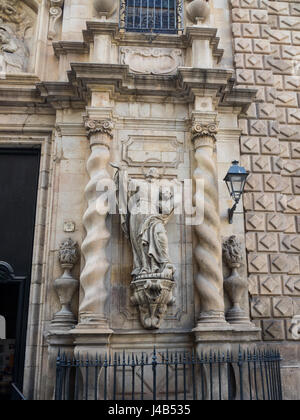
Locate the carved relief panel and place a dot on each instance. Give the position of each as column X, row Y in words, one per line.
column 151, row 60
column 17, row 25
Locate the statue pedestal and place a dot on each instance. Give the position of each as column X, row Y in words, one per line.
column 152, row 294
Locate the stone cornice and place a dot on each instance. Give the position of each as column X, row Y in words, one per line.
column 20, row 90
column 217, row 83
column 85, row 78
column 159, row 40
column 70, row 47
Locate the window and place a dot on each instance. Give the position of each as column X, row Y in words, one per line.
column 163, row 16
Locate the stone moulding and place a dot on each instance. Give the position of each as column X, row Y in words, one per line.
column 151, row 60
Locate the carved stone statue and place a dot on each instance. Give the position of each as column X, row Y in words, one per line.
column 13, row 52
column 145, row 208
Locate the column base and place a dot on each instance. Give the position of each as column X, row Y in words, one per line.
column 217, row 332
column 212, row 317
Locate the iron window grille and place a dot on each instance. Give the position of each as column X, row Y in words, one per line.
column 157, row 16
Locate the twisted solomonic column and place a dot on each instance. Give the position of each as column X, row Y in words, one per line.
column 92, row 309
column 208, row 250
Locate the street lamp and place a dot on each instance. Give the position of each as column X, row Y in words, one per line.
column 235, row 180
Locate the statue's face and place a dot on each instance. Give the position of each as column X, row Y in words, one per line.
column 166, row 194
column 152, row 174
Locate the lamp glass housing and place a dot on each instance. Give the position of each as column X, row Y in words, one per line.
column 235, row 180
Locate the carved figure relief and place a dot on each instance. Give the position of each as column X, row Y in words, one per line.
column 145, row 209
column 16, row 24
column 14, row 54
column 151, row 60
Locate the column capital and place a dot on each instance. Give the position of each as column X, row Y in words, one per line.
column 204, row 133
column 99, row 131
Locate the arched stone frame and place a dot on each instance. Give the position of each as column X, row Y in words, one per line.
column 33, row 349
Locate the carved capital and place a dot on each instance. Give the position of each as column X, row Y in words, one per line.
column 99, row 131
column 204, row 132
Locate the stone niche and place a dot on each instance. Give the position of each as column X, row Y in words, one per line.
column 166, row 151
column 17, row 35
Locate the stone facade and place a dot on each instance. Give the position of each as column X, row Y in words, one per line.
column 265, row 35
column 89, row 93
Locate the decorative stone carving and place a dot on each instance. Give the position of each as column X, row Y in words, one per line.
column 55, row 13
column 208, row 249
column 145, row 209
column 295, row 327
column 16, row 22
column 105, row 7
column 92, row 308
column 96, row 126
column 198, row 10
column 151, row 60
column 160, row 151
column 13, row 52
column 66, row 285
column 17, row 15
column 234, row 285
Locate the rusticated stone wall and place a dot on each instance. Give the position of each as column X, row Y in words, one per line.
column 267, row 56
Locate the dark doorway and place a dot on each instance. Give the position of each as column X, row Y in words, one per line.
column 19, row 173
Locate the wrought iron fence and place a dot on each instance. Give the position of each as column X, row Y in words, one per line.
column 250, row 375
column 158, row 16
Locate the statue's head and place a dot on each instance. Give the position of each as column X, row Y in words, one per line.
column 152, row 173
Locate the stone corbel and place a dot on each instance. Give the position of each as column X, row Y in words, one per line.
column 55, row 13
